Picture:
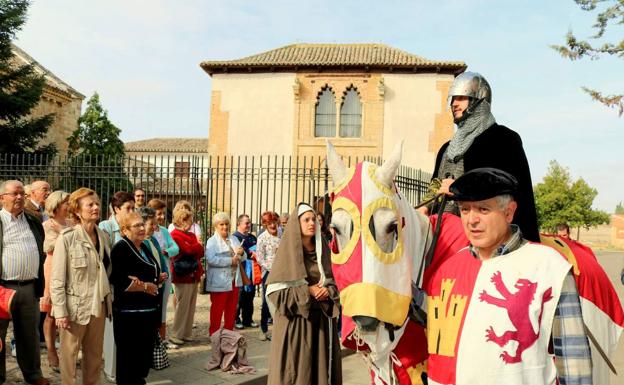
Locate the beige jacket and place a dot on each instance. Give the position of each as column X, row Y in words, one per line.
column 79, row 283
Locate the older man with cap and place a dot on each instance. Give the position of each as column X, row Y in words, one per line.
column 21, row 269
column 495, row 307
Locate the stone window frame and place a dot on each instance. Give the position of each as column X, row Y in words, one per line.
column 336, row 110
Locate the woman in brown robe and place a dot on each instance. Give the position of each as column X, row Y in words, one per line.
column 304, row 302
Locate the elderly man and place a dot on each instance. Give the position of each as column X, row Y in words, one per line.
column 481, row 142
column 35, row 204
column 21, row 269
column 496, row 306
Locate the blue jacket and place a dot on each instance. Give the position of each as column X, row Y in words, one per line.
column 219, row 269
column 111, row 227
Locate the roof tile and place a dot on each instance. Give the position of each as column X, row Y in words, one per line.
column 331, row 55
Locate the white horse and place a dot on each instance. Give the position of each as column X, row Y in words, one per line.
column 377, row 260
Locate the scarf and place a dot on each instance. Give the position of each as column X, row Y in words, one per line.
column 479, row 120
column 288, row 269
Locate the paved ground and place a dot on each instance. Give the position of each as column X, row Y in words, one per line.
column 188, row 362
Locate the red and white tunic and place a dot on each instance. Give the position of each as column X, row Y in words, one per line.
column 489, row 322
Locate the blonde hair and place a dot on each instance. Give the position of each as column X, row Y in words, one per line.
column 182, row 216
column 74, row 202
column 220, row 217
column 125, row 220
column 54, row 201
column 182, row 205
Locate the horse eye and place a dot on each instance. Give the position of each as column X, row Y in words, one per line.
column 392, row 228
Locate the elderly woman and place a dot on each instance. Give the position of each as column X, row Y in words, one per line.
column 136, row 306
column 268, row 242
column 301, row 289
column 186, row 271
column 80, row 290
column 148, row 215
column 186, row 205
column 122, row 203
column 169, row 249
column 223, row 278
column 56, row 208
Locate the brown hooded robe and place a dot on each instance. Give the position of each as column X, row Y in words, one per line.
column 304, row 330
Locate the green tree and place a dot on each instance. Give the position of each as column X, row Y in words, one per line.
column 559, row 199
column 96, row 134
column 575, row 49
column 619, row 209
column 20, row 90
column 96, row 154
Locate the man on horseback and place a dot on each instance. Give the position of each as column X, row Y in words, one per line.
column 481, row 142
column 495, row 307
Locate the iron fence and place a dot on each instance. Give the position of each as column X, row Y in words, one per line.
column 243, row 184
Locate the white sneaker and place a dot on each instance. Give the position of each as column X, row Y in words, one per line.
column 170, row 345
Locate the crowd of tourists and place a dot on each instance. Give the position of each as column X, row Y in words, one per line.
column 103, row 286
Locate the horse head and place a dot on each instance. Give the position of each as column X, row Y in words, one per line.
column 379, row 244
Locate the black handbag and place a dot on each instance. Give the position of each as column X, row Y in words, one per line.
column 185, row 265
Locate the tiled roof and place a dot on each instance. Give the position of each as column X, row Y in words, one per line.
column 179, row 145
column 50, row 79
column 334, row 55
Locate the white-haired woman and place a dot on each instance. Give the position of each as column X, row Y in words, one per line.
column 223, row 276
column 56, row 206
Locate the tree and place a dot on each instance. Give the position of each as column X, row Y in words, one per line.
column 96, row 134
column 96, row 154
column 619, row 209
column 558, row 199
column 576, row 49
column 20, row 90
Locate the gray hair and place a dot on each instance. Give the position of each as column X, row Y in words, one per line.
column 219, row 217
column 504, row 200
column 4, row 185
column 54, row 201
column 146, row 212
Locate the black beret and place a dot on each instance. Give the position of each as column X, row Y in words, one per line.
column 483, row 183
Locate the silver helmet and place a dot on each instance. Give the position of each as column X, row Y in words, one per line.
column 470, row 84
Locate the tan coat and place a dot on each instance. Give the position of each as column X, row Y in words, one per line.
column 79, row 284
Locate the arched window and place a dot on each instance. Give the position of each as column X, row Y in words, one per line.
column 351, row 114
column 325, row 121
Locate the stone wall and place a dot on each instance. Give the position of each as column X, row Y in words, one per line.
column 66, row 110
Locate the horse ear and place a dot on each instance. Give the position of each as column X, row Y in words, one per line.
column 387, row 171
column 337, row 168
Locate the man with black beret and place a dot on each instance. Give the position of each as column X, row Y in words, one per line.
column 495, row 307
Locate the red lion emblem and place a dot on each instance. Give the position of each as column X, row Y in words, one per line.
column 517, row 306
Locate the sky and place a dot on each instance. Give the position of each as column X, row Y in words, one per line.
column 142, row 57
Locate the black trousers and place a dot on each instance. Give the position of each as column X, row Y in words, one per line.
column 135, row 334
column 244, row 310
column 25, row 313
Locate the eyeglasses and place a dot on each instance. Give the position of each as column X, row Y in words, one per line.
column 137, row 225
column 14, row 194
